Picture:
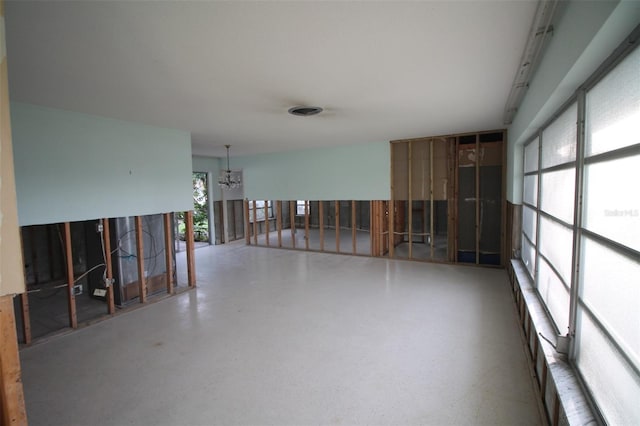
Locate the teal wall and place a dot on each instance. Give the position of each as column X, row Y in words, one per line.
column 352, row 172
column 586, row 33
column 72, row 166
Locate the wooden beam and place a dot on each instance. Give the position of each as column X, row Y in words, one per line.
column 321, row 223
column 191, row 259
column 431, row 227
column 293, row 206
column 106, row 238
column 372, row 228
column 71, row 298
column 142, row 279
column 266, row 221
column 168, row 252
column 306, row 224
column 354, row 234
column 26, row 318
column 392, row 235
column 255, row 223
column 337, row 211
column 279, row 221
column 247, row 223
column 12, row 407
column 410, row 201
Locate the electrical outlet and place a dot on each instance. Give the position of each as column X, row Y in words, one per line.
column 77, row 289
column 100, row 292
column 99, row 227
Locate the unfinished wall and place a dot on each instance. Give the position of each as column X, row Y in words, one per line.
column 584, row 36
column 72, row 167
column 353, row 172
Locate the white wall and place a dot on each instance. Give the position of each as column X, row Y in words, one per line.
column 586, row 33
column 352, row 172
column 72, row 166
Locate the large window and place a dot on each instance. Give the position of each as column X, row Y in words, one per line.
column 261, row 211
column 581, row 234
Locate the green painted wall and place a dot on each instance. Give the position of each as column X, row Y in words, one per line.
column 352, row 172
column 586, row 33
column 72, row 166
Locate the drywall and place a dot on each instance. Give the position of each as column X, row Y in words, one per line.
column 585, row 34
column 71, row 166
column 351, row 172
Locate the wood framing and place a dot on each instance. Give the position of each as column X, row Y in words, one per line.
column 321, row 223
column 410, row 202
column 168, row 251
column 266, row 222
column 431, row 205
column 106, row 240
column 337, row 214
column 71, row 298
column 12, row 407
column 279, row 221
column 247, row 223
column 477, row 203
column 354, row 235
column 255, row 223
column 191, row 258
column 306, row 224
column 292, row 218
column 25, row 317
column 142, row 279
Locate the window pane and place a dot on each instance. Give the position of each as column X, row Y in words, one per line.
column 613, row 384
column 556, row 244
column 613, row 108
column 557, row 193
column 529, row 256
column 531, row 190
column 259, row 203
column 529, row 223
column 531, row 156
column 559, row 139
column 611, row 289
column 612, row 202
column 554, row 295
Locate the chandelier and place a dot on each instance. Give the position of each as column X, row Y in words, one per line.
column 227, row 180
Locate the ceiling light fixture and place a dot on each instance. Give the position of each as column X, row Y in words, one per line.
column 304, row 111
column 227, row 180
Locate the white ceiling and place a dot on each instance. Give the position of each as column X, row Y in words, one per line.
column 228, row 71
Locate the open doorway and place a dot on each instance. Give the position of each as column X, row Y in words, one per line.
column 201, row 214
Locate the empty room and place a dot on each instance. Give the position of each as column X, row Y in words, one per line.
column 320, row 212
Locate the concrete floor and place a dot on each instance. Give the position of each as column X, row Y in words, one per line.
column 290, row 337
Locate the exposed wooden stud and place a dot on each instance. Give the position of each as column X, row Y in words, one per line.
column 12, row 407
column 392, row 208
column 337, row 211
column 71, row 298
column 233, row 219
column 26, row 318
column 279, row 221
column 306, row 224
column 477, row 160
column 456, row 220
column 293, row 205
column 431, row 206
column 168, row 258
column 191, row 260
column 410, row 200
column 247, row 223
column 451, row 200
column 504, row 256
column 266, row 222
column 106, row 238
column 142, row 279
column 372, row 228
column 321, row 223
column 255, row 223
column 354, row 235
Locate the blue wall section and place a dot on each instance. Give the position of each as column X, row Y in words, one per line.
column 352, row 172
column 72, row 166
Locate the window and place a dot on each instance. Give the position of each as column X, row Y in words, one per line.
column 300, row 207
column 585, row 258
column 259, row 213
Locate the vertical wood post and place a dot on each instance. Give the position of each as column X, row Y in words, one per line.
column 255, row 223
column 306, row 224
column 321, row 223
column 279, row 221
column 12, row 408
column 106, row 239
column 354, row 235
column 431, row 206
column 168, row 252
column 266, row 221
column 142, row 279
column 477, row 199
column 410, row 201
column 337, row 209
column 26, row 318
column 191, row 260
column 73, row 319
column 247, row 223
column 293, row 206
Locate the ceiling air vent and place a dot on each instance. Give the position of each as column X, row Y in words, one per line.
column 305, row 111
